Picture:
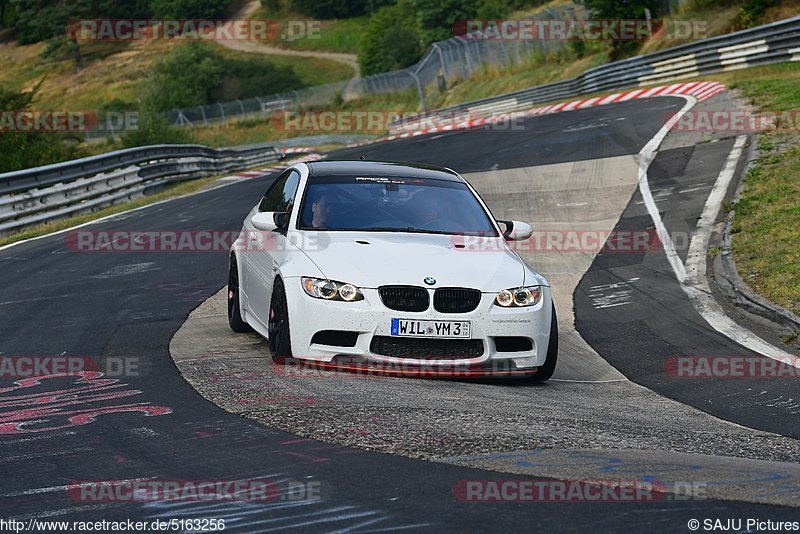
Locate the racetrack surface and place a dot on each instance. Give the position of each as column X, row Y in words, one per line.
column 129, row 305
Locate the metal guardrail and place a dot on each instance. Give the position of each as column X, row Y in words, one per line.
column 42, row 194
column 777, row 42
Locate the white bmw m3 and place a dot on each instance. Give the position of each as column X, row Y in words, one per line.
column 390, row 266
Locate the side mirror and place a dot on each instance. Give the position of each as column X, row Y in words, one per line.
column 516, row 230
column 266, row 221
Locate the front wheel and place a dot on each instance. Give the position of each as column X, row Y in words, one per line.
column 235, row 320
column 279, row 341
column 546, row 371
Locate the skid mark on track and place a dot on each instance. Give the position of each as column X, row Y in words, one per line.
column 243, row 516
column 28, row 407
column 612, row 295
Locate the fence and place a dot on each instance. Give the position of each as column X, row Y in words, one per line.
column 455, row 58
column 459, row 58
column 42, row 194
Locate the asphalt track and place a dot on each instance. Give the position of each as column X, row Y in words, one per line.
column 129, row 305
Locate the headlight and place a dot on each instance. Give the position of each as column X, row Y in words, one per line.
column 519, row 297
column 330, row 290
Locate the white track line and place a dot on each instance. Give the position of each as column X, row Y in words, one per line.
column 692, row 279
column 646, row 157
column 696, row 283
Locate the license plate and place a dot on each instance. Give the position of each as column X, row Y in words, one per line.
column 440, row 329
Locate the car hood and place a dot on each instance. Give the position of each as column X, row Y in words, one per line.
column 372, row 260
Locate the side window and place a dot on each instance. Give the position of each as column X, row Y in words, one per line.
column 280, row 196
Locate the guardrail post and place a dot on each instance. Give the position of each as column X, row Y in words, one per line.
column 421, row 91
column 441, row 59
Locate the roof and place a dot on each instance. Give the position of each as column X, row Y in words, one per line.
column 382, row 168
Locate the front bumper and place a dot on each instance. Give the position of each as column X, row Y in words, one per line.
column 370, row 318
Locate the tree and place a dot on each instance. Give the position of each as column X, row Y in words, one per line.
column 39, row 20
column 391, row 40
column 251, row 77
column 623, row 10
column 154, row 129
column 21, row 150
column 189, row 9
column 194, row 74
column 436, row 18
column 186, row 76
column 334, row 9
column 51, row 20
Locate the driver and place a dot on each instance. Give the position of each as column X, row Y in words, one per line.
column 321, row 210
column 426, row 211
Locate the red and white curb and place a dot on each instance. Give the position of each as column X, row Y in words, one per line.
column 699, row 90
column 298, row 150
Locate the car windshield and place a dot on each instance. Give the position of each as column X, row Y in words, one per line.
column 386, row 204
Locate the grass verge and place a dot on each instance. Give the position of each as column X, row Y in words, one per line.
column 766, row 224
column 122, row 71
column 338, row 35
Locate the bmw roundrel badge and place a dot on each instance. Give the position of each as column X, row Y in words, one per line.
column 430, row 281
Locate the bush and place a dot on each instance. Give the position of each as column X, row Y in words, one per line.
column 21, row 150
column 154, row 129
column 185, row 76
column 391, row 40
column 436, row 18
column 331, row 9
column 194, row 74
column 189, row 9
column 248, row 78
column 625, row 10
column 39, row 20
column 750, row 13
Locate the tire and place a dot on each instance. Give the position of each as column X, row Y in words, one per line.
column 235, row 320
column 546, row 371
column 280, row 343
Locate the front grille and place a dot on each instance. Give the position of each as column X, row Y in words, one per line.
column 456, row 300
column 405, row 298
column 426, row 349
